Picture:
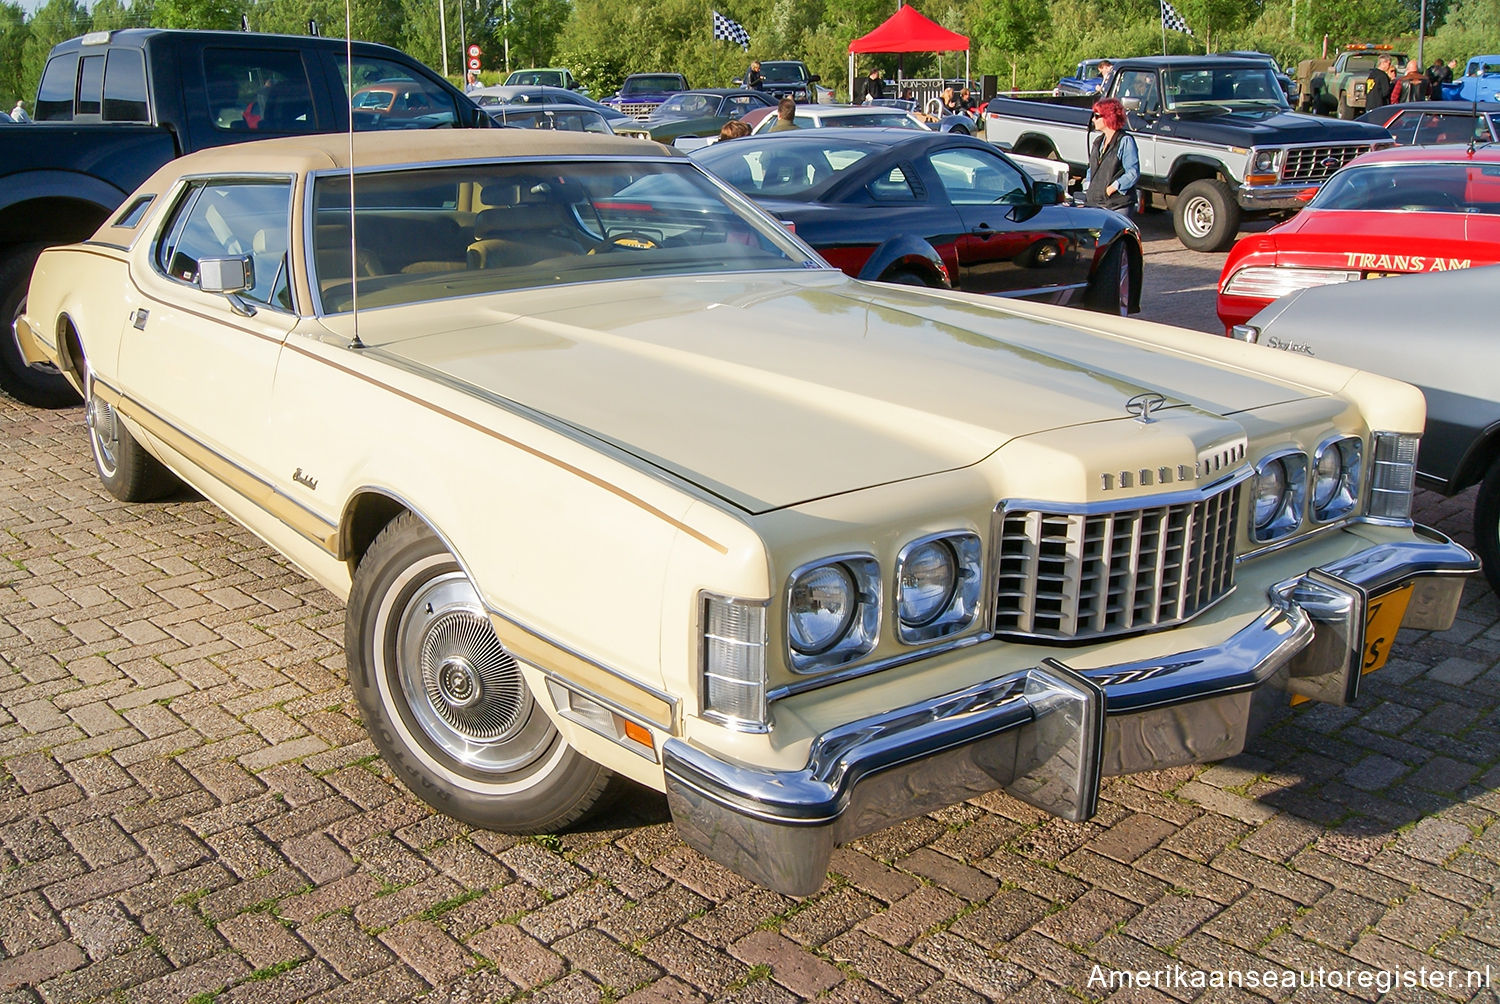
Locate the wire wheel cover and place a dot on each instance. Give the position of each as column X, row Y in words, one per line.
column 104, row 430
column 464, row 690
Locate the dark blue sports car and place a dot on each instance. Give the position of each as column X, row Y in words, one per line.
column 935, row 209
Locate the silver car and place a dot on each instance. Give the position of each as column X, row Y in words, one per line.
column 1433, row 329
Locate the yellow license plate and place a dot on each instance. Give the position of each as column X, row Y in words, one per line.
column 1382, row 618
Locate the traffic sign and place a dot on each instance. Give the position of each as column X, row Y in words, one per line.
column 473, row 64
column 474, row 51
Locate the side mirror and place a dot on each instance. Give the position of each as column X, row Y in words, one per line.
column 226, row 275
column 814, row 78
column 1047, row 193
column 230, row 276
column 1131, row 104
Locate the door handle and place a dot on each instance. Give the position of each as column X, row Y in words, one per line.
column 138, row 318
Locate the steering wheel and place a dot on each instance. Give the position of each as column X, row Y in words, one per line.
column 630, row 240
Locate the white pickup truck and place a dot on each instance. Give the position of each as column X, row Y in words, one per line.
column 1216, row 137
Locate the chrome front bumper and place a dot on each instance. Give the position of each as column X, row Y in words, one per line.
column 1048, row 734
column 1284, row 196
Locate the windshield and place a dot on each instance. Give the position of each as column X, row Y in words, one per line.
column 651, row 85
column 783, row 73
column 1222, row 85
column 893, row 119
column 551, row 78
column 779, row 167
column 687, row 106
column 567, row 119
column 433, row 233
column 1414, row 188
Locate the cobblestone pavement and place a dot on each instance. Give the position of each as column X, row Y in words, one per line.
column 189, row 810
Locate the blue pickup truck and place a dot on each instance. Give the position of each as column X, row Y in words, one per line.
column 1216, row 136
column 1085, row 79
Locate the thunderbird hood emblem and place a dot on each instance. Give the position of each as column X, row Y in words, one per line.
column 1142, row 405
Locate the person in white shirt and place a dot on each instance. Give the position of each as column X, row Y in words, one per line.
column 19, row 112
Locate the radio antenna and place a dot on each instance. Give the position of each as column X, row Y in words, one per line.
column 354, row 343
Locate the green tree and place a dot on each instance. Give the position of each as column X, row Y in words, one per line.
column 13, row 35
column 533, row 31
column 223, row 14
column 56, row 21
column 108, row 15
column 372, row 20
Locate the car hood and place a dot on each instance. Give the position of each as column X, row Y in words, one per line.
column 771, row 390
column 1273, row 127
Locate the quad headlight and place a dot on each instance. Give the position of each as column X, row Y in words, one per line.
column 937, row 586
column 1278, row 496
column 832, row 611
column 1335, row 478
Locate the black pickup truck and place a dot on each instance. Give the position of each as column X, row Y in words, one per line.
column 1215, row 134
column 112, row 107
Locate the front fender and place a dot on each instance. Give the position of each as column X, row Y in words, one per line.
column 907, row 252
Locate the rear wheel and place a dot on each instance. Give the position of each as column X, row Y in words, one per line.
column 40, row 385
column 1487, row 525
column 1206, row 216
column 443, row 700
column 126, row 470
column 910, row 277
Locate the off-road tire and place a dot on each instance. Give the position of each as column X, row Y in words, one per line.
column 1206, row 217
column 41, row 386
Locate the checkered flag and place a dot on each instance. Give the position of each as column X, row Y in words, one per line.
column 1173, row 20
column 731, row 31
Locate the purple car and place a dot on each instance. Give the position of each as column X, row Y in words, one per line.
column 639, row 95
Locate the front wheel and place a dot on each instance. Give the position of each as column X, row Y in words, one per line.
column 443, row 700
column 1487, row 525
column 40, row 384
column 1346, row 111
column 1206, row 216
column 1109, row 289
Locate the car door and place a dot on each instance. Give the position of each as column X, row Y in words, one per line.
column 1154, row 133
column 202, row 364
column 1009, row 244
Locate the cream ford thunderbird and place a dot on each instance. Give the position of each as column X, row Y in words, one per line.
column 619, row 479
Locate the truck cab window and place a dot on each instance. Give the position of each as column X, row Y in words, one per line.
column 388, row 96
column 54, row 99
column 262, row 91
column 90, row 85
column 125, row 86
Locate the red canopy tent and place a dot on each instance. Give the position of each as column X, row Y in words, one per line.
column 908, row 31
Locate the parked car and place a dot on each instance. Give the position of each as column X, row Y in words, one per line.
column 680, row 503
column 488, row 98
column 701, row 113
column 399, row 102
column 1216, row 136
column 789, row 78
column 1407, row 209
column 1086, row 79
column 1449, row 317
column 640, row 94
column 568, row 118
column 546, row 76
column 1434, row 123
column 1480, row 82
column 935, row 209
column 896, row 114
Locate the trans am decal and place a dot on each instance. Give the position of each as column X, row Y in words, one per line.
column 1406, row 263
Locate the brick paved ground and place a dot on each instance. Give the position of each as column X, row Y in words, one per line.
column 189, row 810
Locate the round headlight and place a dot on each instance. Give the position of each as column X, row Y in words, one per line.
column 1328, row 475
column 1265, row 162
column 822, row 608
column 1270, row 492
column 928, row 577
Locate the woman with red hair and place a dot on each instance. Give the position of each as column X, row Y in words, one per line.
column 1114, row 161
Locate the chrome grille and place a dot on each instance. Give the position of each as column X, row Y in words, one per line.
column 1316, row 163
column 639, row 109
column 1090, row 575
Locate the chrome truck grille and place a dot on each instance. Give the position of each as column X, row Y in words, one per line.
column 1092, row 574
column 1316, row 163
column 639, row 109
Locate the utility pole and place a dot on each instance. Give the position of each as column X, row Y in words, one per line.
column 443, row 31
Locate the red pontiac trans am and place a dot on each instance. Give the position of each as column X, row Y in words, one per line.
column 1405, row 209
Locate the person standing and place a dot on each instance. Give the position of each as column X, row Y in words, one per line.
column 966, row 103
column 755, row 80
column 871, row 89
column 786, row 114
column 19, row 112
column 1379, row 83
column 1114, row 161
column 472, row 83
column 1413, row 85
column 1105, row 69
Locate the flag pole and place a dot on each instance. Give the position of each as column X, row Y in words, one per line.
column 1163, row 13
